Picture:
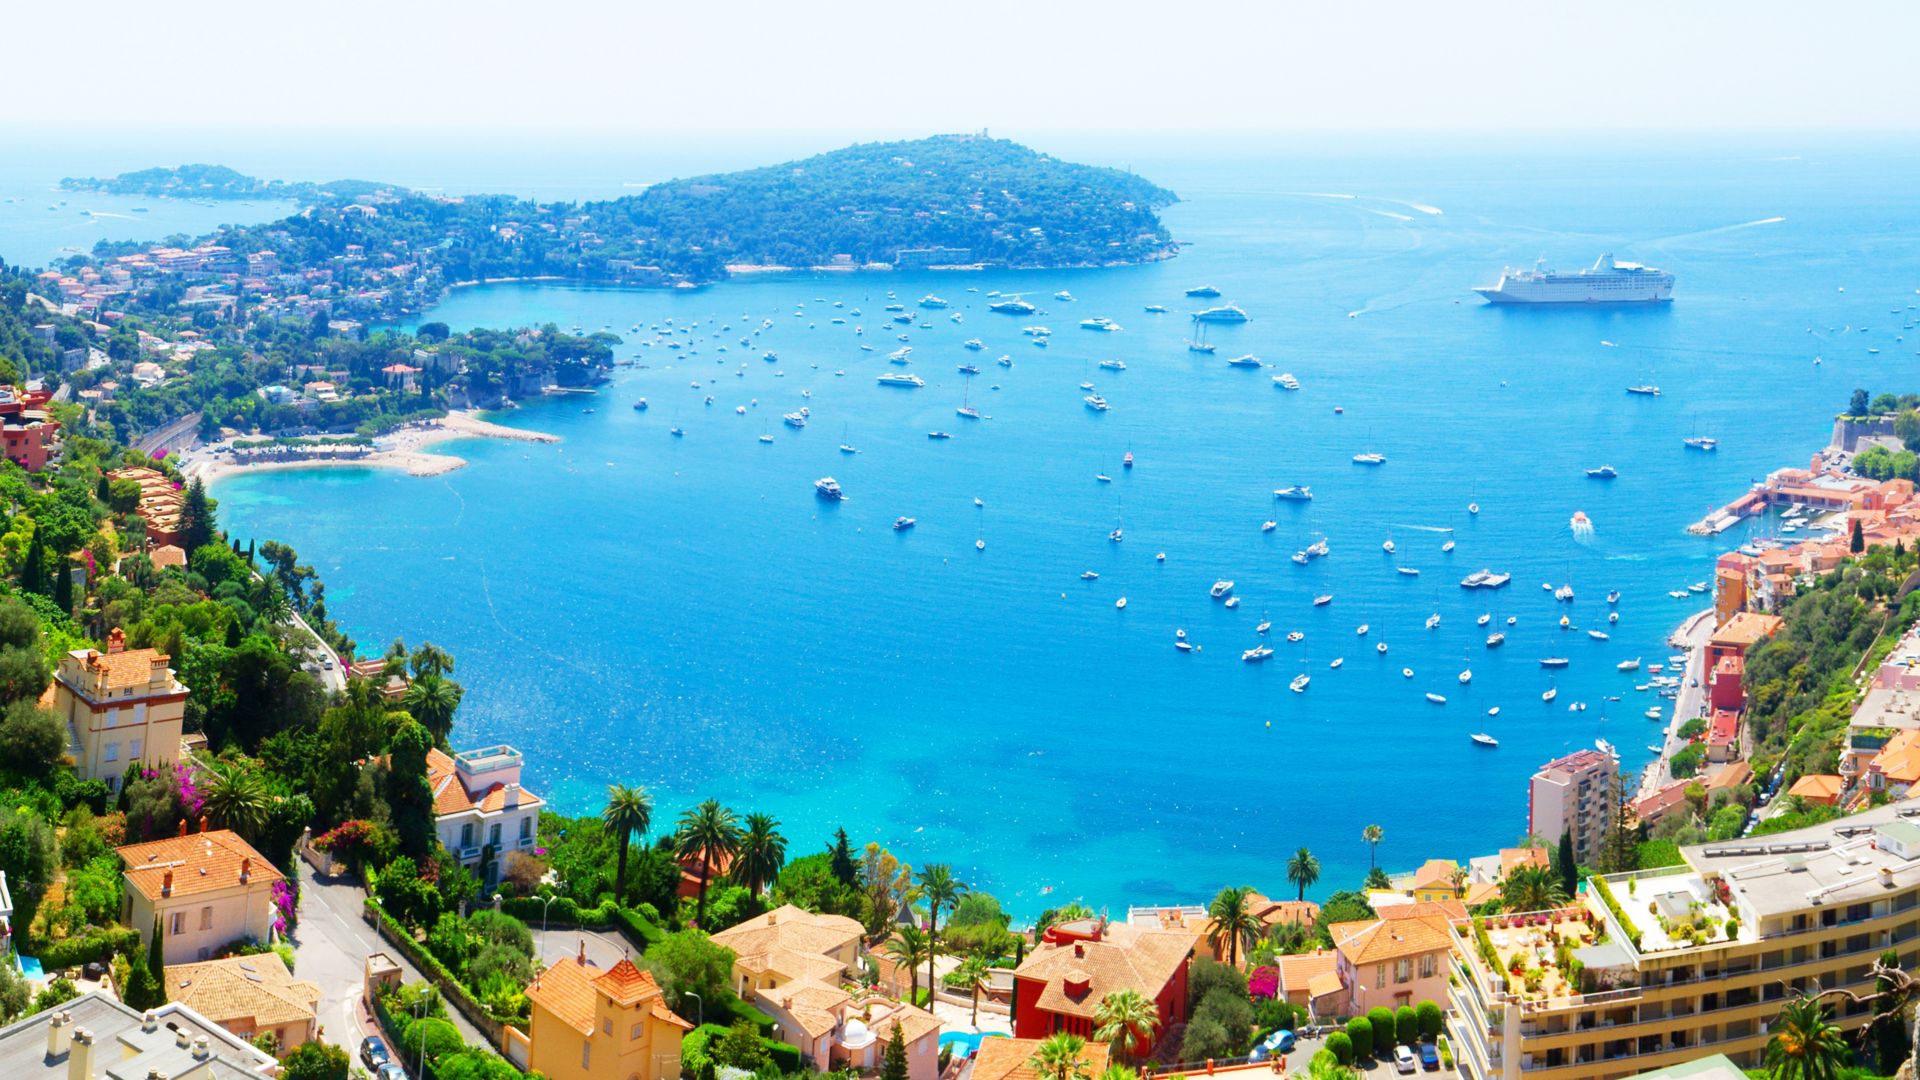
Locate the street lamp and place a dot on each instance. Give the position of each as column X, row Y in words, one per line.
column 702, row 1014
column 420, row 1062
column 545, row 906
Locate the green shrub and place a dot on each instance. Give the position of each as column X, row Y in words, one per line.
column 1360, row 1031
column 1341, row 1045
column 1406, row 1025
column 1381, row 1018
column 87, row 948
column 1431, row 1019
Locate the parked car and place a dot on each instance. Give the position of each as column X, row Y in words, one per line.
column 1280, row 1042
column 390, row 1071
column 373, row 1052
column 1429, row 1056
column 1403, row 1059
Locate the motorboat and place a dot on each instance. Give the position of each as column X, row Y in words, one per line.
column 1644, row 390
column 1481, row 738
column 1206, row 292
column 1323, row 600
column 1551, row 693
column 1096, row 402
column 1433, row 621
column 1370, row 458
column 1286, row 381
column 1484, row 619
column 1221, row 589
column 1485, row 579
column 1597, row 635
column 1256, row 654
column 1245, row 361
column 1269, row 525
column 1446, row 548
column 1381, row 648
column 1553, row 661
column 1361, row 630
column 1299, row 684
column 1406, row 673
column 1407, row 570
column 1437, row 699
column 1295, row 636
column 1495, row 640
column 939, row 435
column 1466, row 676
column 1387, row 545
column 828, row 488
column 1604, row 472
column 1114, row 365
column 1089, row 575
column 1628, row 665
column 1294, row 492
column 900, row 379
column 1127, row 461
column 902, row 524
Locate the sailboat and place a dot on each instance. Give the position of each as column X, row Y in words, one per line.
column 966, row 409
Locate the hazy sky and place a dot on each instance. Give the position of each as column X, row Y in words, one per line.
column 900, row 66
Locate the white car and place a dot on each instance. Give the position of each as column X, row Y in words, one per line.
column 1403, row 1060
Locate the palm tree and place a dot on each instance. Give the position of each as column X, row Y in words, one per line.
column 707, row 832
column 1119, row 1072
column 236, row 797
column 1532, row 888
column 269, row 603
column 1303, row 870
column 1804, row 1045
column 972, row 974
column 763, row 851
column 1061, row 1057
column 1063, row 914
column 940, row 889
column 1233, row 922
column 907, row 948
column 1126, row 1021
column 432, row 701
column 1372, row 834
column 629, row 811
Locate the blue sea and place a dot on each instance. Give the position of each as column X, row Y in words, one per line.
column 684, row 613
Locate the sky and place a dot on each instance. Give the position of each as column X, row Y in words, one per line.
column 893, row 67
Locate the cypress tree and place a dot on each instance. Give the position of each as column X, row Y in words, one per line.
column 233, row 634
column 842, row 861
column 894, row 1065
column 101, row 489
column 1569, row 869
column 196, row 517
column 63, row 586
column 33, row 569
column 1858, row 543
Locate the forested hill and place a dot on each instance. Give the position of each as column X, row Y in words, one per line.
column 216, row 182
column 996, row 200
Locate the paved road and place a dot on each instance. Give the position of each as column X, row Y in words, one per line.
column 176, row 435
column 1692, row 637
column 330, row 950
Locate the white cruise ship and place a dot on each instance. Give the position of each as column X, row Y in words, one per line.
column 1605, row 282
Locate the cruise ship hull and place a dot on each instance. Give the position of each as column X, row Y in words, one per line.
column 1553, row 294
column 1606, row 282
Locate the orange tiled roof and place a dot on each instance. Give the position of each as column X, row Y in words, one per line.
column 1297, row 972
column 1733, row 775
column 1006, row 1059
column 1899, row 760
column 200, row 863
column 1513, row 858
column 567, row 989
column 1817, row 786
column 450, row 796
column 1435, row 874
column 130, row 669
column 791, row 941
column 1077, row 974
column 256, row 989
column 1403, row 930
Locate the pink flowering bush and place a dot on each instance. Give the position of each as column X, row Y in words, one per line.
column 1264, row 982
column 284, row 902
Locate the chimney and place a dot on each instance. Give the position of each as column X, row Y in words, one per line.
column 156, row 1074
column 246, row 868
column 183, row 826
column 149, row 1021
column 80, row 1056
column 58, row 1033
column 166, row 884
column 1079, row 950
column 180, row 1038
column 512, row 795
column 201, row 1048
column 116, row 641
column 203, row 823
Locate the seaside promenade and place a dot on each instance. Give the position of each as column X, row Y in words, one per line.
column 1692, row 637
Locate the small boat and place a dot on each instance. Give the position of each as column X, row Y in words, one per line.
column 1256, row 654
column 1323, row 600
column 1628, row 665
column 1406, row 673
column 1121, row 603
column 1183, row 646
column 1370, row 458
column 1381, row 648
column 1437, row 699
column 1494, row 641
column 1295, row 635
column 939, row 435
column 1294, row 492
column 1553, row 661
column 1088, row 575
column 1646, row 390
column 1613, row 616
column 1483, row 620
column 902, row 524
column 1597, row 635
column 640, row 406
column 1552, row 692
column 1466, row 676
column 1221, row 589
column 1233, row 601
column 1433, row 621
column 1005, row 361
column 1246, row 361
column 1613, row 597
column 1653, row 713
column 1484, row 739
column 1447, row 548
column 1299, row 684
column 1407, row 570
column 1337, row 661
column 1473, row 508
column 1495, row 711
column 1387, row 545
column 1604, row 472
column 828, row 488
column 1361, row 630
column 1652, row 749
column 1511, row 619
column 1127, row 461
column 1265, row 625
column 979, row 545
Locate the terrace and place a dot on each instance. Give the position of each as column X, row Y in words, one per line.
column 1548, row 959
column 1671, row 909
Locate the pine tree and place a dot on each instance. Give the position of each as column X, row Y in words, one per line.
column 1620, row 848
column 196, row 517
column 894, row 1065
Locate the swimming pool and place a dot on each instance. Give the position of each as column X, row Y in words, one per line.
column 30, row 967
column 965, row 1043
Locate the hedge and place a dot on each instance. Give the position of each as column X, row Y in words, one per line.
column 736, row 1010
column 98, row 945
column 640, row 932
column 1619, row 914
column 696, row 1049
column 450, row 986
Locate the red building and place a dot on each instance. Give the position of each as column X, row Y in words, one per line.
column 1725, row 690
column 1060, row 984
column 28, row 428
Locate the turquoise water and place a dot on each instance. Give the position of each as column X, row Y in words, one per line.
column 684, row 613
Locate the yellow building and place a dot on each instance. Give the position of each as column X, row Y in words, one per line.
column 207, row 889
column 588, row 1024
column 121, row 706
column 1686, row 961
column 1437, row 880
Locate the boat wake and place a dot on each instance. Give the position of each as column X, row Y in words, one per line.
column 1716, row 232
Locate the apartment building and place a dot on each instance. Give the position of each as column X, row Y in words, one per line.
column 1686, row 961
column 122, row 707
column 1573, row 794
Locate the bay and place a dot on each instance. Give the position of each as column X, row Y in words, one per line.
column 686, row 614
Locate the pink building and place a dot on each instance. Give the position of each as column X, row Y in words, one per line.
column 1573, row 794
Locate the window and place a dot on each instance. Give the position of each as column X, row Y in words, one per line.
column 178, row 923
column 1428, row 965
column 493, row 834
column 1402, row 970
column 639, row 1029
column 526, row 828
column 112, row 752
column 606, row 1028
column 206, row 918
column 133, row 750
column 1379, row 975
column 586, row 1054
column 466, row 835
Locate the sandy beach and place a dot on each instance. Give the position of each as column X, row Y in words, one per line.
column 406, row 449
